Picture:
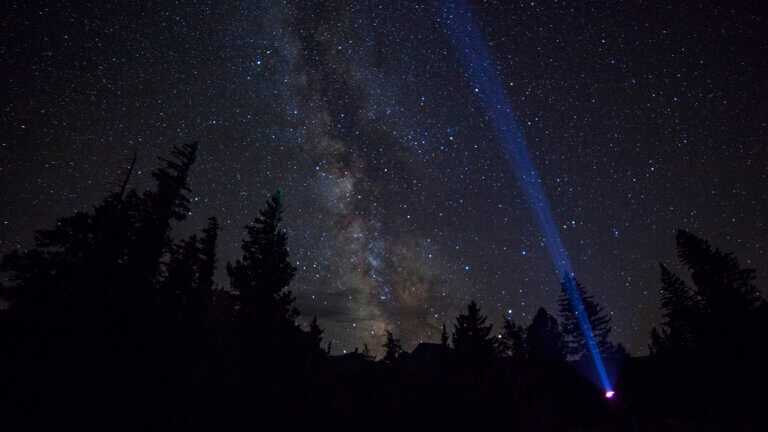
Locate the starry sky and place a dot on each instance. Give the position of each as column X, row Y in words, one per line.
column 640, row 118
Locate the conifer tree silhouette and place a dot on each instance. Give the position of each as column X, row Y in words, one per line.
column 444, row 337
column 512, row 340
column 717, row 313
column 575, row 343
column 270, row 342
column 681, row 310
column 261, row 276
column 315, row 333
column 160, row 207
column 367, row 353
column 710, row 326
column 723, row 285
column 208, row 260
column 543, row 337
column 472, row 342
column 658, row 344
column 392, row 348
column 180, row 294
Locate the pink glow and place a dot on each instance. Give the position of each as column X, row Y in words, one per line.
column 609, row 394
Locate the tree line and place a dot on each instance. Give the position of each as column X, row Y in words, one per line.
column 113, row 322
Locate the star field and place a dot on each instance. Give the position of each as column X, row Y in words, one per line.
column 640, row 118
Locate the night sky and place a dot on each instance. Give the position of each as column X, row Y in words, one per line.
column 641, row 119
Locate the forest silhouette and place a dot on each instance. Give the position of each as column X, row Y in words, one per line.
column 113, row 323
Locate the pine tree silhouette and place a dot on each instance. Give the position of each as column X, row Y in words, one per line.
column 681, row 310
column 472, row 342
column 575, row 343
column 658, row 344
column 272, row 347
column 444, row 337
column 710, row 326
column 315, row 333
column 180, row 288
column 261, row 276
column 512, row 341
column 392, row 348
column 208, row 260
column 543, row 337
column 367, row 353
column 718, row 313
column 159, row 208
column 723, row 285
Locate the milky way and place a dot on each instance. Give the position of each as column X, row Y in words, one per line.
column 400, row 204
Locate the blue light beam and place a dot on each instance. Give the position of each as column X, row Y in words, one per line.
column 468, row 42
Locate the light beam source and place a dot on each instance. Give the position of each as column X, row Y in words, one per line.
column 468, row 42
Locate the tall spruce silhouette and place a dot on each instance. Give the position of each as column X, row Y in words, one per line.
column 162, row 206
column 718, row 313
column 544, row 339
column 315, row 333
column 681, row 310
column 472, row 341
column 270, row 343
column 444, row 336
column 208, row 260
column 261, row 276
column 392, row 348
column 512, row 340
column 575, row 343
column 706, row 342
column 723, row 285
column 367, row 354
